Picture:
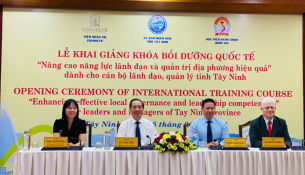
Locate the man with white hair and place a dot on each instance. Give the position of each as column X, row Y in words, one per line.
column 268, row 125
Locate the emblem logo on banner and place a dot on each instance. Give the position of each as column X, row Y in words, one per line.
column 95, row 21
column 222, row 26
column 157, row 24
column 94, row 28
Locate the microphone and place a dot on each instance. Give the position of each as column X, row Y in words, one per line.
column 214, row 147
column 149, row 140
column 80, row 142
column 76, row 147
column 148, row 147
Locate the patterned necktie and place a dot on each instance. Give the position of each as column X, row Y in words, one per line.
column 209, row 132
column 269, row 128
column 138, row 134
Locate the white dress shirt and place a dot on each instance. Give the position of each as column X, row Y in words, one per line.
column 128, row 129
column 267, row 121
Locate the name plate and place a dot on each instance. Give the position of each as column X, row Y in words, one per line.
column 273, row 142
column 126, row 142
column 56, row 142
column 235, row 143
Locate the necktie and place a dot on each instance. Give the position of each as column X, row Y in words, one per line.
column 269, row 128
column 209, row 132
column 138, row 134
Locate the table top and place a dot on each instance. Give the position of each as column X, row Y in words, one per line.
column 111, row 149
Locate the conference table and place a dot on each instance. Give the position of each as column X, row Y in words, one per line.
column 91, row 161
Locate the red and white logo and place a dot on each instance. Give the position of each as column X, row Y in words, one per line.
column 222, row 26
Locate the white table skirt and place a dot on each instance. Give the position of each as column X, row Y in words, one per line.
column 199, row 162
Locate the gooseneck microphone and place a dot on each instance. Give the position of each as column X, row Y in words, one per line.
column 80, row 142
column 149, row 140
column 148, row 147
column 76, row 147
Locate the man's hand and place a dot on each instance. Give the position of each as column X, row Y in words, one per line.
column 215, row 143
column 211, row 143
column 145, row 144
column 208, row 144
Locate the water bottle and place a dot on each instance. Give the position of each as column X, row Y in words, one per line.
column 107, row 140
column 196, row 138
column 26, row 141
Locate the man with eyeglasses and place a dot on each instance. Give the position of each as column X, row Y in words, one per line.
column 268, row 125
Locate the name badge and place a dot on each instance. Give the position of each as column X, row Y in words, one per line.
column 273, row 142
column 235, row 143
column 56, row 142
column 126, row 142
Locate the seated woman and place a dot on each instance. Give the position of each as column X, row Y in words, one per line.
column 70, row 125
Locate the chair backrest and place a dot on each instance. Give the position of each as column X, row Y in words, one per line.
column 88, row 135
column 186, row 128
column 117, row 128
column 244, row 132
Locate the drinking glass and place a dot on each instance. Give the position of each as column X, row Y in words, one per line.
column 35, row 145
column 99, row 145
column 202, row 144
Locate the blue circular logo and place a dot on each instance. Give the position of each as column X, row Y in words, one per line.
column 157, row 24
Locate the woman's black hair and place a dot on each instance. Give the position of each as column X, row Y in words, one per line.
column 64, row 116
column 66, row 105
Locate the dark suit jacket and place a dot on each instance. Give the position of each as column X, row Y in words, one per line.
column 258, row 129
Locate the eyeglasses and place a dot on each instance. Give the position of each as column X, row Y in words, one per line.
column 269, row 107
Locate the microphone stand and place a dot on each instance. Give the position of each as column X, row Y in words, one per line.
column 214, row 147
column 147, row 147
column 149, row 140
column 76, row 148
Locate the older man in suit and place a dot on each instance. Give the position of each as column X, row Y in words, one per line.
column 268, row 125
